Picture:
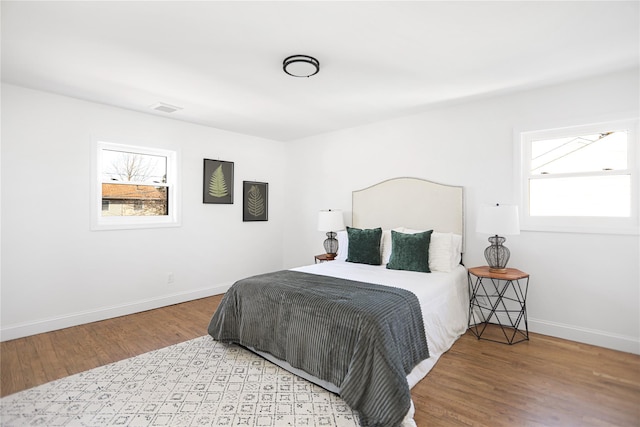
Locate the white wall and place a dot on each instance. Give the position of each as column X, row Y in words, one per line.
column 56, row 272
column 584, row 287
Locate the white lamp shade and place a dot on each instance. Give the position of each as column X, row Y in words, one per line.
column 330, row 221
column 501, row 220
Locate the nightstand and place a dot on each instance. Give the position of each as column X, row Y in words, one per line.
column 499, row 299
column 323, row 258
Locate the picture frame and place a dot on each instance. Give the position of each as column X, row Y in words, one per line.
column 255, row 201
column 217, row 186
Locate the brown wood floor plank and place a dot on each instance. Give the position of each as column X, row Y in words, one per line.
column 542, row 382
column 546, row 381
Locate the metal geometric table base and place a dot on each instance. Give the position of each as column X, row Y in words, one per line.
column 500, row 302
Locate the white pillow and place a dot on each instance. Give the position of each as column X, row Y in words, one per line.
column 343, row 245
column 385, row 244
column 457, row 250
column 441, row 252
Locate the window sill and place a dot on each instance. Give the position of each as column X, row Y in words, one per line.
column 582, row 229
column 132, row 225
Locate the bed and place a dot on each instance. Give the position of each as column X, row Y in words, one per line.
column 314, row 306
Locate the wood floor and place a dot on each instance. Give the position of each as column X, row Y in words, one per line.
column 543, row 382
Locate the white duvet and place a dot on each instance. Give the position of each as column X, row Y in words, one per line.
column 444, row 301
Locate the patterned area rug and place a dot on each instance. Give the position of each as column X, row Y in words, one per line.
column 200, row 382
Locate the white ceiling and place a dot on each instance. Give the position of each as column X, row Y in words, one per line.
column 222, row 61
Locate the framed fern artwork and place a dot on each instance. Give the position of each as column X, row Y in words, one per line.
column 218, row 182
column 255, row 201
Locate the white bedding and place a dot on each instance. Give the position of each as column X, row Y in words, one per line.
column 443, row 299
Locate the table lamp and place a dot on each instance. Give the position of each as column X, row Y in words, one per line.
column 498, row 220
column 330, row 221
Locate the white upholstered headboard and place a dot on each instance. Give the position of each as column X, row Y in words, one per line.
column 411, row 203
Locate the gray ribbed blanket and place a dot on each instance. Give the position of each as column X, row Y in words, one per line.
column 362, row 337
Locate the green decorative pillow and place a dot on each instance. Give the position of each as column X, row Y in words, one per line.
column 410, row 251
column 364, row 245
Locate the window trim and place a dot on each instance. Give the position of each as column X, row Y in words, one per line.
column 99, row 222
column 574, row 224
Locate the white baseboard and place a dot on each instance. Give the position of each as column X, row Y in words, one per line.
column 560, row 330
column 575, row 333
column 585, row 335
column 10, row 332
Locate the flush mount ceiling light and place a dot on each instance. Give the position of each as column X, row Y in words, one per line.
column 301, row 66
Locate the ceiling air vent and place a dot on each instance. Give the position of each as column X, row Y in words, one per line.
column 165, row 108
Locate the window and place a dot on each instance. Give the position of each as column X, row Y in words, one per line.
column 582, row 179
column 135, row 187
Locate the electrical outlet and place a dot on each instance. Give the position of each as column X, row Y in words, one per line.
column 170, row 278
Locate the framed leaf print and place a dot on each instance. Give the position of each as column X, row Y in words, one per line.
column 255, row 201
column 218, row 182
